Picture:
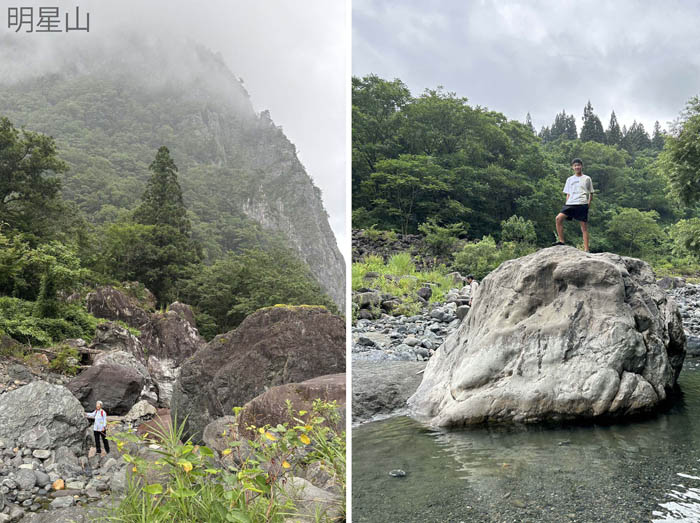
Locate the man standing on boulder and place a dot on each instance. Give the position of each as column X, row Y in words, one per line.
column 99, row 428
column 579, row 193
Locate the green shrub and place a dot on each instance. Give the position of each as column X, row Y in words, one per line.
column 65, row 361
column 18, row 319
column 190, row 485
column 482, row 257
column 441, row 240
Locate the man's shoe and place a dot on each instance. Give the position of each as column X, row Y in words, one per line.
column 558, row 243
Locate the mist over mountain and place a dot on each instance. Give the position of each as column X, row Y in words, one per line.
column 112, row 104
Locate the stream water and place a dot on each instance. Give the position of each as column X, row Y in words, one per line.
column 646, row 470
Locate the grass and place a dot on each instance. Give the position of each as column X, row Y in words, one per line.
column 399, row 277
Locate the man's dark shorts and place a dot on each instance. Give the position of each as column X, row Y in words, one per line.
column 576, row 212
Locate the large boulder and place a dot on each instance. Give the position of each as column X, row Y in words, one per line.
column 39, row 409
column 169, row 339
column 270, row 408
column 107, row 302
column 271, row 347
column 558, row 334
column 117, row 386
column 381, row 389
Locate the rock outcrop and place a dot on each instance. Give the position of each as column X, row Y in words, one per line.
column 169, row 339
column 117, row 386
column 107, row 302
column 270, row 408
column 43, row 416
column 558, row 334
column 271, row 347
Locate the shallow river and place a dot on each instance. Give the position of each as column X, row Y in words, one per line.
column 638, row 471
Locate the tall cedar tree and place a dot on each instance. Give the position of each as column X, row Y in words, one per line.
column 592, row 130
column 613, row 136
column 657, row 139
column 636, row 138
column 528, row 122
column 171, row 249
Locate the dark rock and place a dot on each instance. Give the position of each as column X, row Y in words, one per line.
column 366, row 314
column 107, row 302
column 117, row 386
column 17, row 371
column 271, row 347
column 270, row 407
column 425, row 293
column 367, row 299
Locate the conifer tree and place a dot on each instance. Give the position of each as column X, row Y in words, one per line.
column 657, row 140
column 528, row 122
column 168, row 249
column 613, row 136
column 592, row 130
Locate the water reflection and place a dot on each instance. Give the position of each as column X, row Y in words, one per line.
column 574, row 473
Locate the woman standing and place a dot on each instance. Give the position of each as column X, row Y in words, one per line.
column 100, row 427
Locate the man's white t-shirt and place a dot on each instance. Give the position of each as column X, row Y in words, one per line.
column 579, row 189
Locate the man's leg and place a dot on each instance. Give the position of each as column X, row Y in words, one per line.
column 97, row 441
column 584, row 230
column 104, row 439
column 560, row 226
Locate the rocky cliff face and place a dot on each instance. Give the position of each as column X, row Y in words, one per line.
column 110, row 109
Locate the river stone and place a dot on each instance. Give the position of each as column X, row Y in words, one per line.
column 72, row 514
column 380, row 389
column 25, row 479
column 558, row 334
column 270, row 408
column 117, row 386
column 42, row 404
column 272, row 346
column 62, row 502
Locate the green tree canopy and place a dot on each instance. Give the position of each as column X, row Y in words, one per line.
column 613, row 134
column 680, row 158
column 29, row 187
column 592, row 129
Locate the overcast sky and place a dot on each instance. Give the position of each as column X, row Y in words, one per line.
column 640, row 58
column 291, row 56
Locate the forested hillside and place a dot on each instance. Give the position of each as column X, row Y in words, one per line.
column 436, row 163
column 150, row 165
column 241, row 180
